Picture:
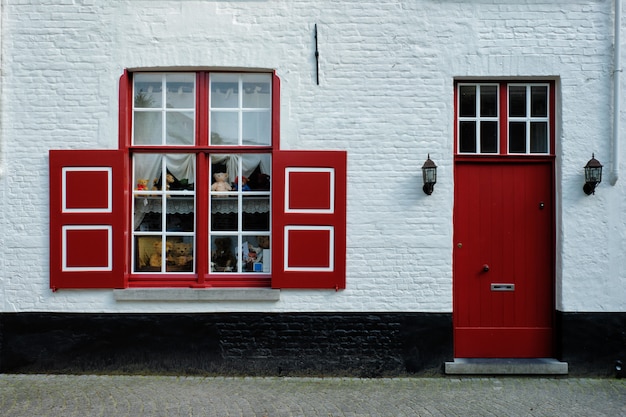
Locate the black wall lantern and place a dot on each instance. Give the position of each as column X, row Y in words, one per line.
column 593, row 175
column 429, row 174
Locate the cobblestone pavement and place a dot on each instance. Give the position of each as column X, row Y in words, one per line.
column 87, row 396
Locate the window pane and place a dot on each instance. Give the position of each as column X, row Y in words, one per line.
column 467, row 101
column 256, row 213
column 180, row 128
column 539, row 101
column 147, row 216
column 224, row 128
column 539, row 137
column 180, row 214
column 148, row 253
column 148, row 128
column 223, row 254
column 224, row 213
column 489, row 137
column 255, row 252
column 257, row 91
column 147, row 171
column 256, row 128
column 180, row 91
column 489, row 101
column 467, row 137
column 148, row 91
column 180, row 254
column 517, row 137
column 224, row 91
column 517, row 101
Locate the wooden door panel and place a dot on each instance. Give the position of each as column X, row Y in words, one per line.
column 503, row 228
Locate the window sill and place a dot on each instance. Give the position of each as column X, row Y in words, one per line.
column 201, row 294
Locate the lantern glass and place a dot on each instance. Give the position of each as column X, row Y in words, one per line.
column 430, row 175
column 593, row 174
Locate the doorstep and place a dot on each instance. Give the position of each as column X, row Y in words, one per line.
column 488, row 366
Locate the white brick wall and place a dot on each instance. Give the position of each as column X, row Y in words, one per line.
column 385, row 95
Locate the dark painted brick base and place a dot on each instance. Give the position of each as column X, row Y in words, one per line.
column 348, row 344
column 592, row 342
column 364, row 345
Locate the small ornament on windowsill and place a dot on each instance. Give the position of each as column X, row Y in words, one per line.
column 244, row 182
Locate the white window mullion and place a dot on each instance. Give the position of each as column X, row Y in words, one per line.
column 528, row 117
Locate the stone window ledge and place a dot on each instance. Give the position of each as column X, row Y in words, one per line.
column 200, row 294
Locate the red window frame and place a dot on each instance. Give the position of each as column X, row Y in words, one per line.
column 327, row 270
column 503, row 119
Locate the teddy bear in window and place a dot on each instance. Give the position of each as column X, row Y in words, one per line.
column 222, row 258
column 221, row 182
column 157, row 257
column 182, row 254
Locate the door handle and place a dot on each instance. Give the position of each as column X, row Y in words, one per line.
column 486, row 268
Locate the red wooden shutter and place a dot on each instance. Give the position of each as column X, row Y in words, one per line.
column 87, row 219
column 309, row 219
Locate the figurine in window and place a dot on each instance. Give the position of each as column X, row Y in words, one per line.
column 244, row 184
column 221, row 182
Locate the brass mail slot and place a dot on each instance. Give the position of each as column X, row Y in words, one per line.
column 502, row 287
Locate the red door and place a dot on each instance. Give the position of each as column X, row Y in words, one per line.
column 503, row 259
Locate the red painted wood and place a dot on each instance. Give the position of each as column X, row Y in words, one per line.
column 316, row 246
column 275, row 111
column 87, row 248
column 300, row 186
column 87, row 190
column 498, row 222
column 125, row 110
column 87, row 244
column 318, row 258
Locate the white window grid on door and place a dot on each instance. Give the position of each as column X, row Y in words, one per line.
column 528, row 119
column 478, row 119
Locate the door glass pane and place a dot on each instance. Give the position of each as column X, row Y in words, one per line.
column 489, row 101
column 539, row 101
column 517, row 137
column 517, row 101
column 467, row 137
column 489, row 137
column 539, row 137
column 467, row 101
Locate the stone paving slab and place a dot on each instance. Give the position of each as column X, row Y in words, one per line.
column 88, row 395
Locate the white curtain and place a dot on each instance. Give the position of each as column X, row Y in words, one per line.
column 249, row 162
